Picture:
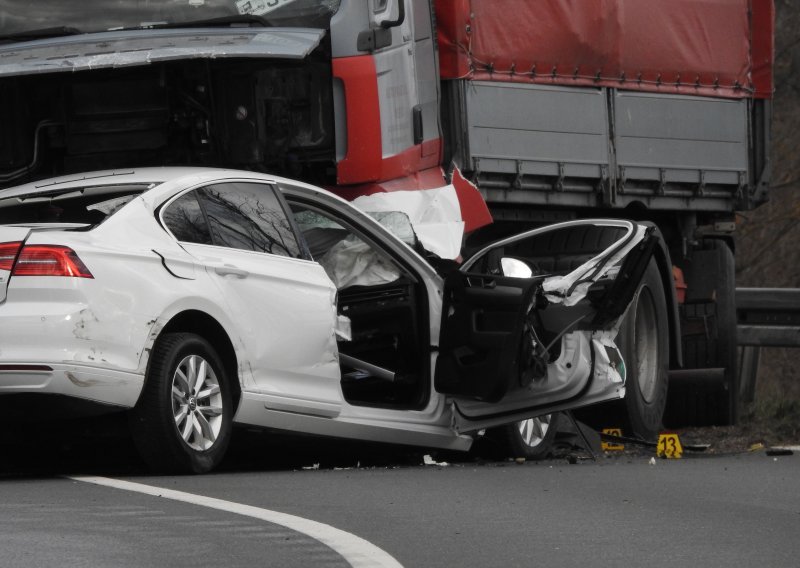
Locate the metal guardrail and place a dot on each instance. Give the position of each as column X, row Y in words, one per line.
column 766, row 317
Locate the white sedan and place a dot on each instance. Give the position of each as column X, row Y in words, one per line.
column 200, row 298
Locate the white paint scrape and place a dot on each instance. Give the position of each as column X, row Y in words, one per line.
column 355, row 550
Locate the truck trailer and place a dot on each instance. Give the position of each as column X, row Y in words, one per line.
column 530, row 111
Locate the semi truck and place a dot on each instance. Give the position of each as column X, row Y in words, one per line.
column 531, row 111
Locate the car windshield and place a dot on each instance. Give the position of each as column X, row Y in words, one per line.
column 85, row 206
column 48, row 18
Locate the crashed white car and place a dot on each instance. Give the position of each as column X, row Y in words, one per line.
column 202, row 298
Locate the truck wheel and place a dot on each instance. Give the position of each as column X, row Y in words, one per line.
column 183, row 419
column 709, row 342
column 644, row 343
column 531, row 439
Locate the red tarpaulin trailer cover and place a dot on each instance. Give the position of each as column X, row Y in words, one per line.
column 719, row 48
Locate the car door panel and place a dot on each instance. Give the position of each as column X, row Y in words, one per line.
column 481, row 331
column 561, row 325
column 239, row 234
column 263, row 292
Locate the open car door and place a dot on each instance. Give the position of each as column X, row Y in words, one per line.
column 528, row 323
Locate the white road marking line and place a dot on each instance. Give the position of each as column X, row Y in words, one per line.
column 355, row 550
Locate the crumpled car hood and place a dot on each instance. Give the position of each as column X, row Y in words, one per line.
column 141, row 47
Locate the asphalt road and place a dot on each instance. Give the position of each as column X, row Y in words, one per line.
column 379, row 503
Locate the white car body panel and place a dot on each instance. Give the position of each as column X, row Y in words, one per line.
column 96, row 334
column 99, row 384
column 290, row 343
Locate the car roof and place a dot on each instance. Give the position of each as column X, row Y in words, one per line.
column 147, row 175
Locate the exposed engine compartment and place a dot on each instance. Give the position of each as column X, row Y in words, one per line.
column 266, row 115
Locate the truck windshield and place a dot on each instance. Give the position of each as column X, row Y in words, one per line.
column 22, row 20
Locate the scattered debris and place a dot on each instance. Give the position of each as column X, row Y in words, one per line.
column 428, row 460
column 644, row 443
column 575, row 435
column 779, row 452
column 755, row 447
column 652, row 461
column 315, row 466
column 520, row 461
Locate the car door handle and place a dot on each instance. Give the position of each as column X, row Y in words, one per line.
column 230, row 270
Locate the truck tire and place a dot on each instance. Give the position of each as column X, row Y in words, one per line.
column 709, row 342
column 644, row 343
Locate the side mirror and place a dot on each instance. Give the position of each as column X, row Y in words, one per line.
column 515, row 268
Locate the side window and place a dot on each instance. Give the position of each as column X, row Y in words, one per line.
column 346, row 257
column 186, row 221
column 248, row 216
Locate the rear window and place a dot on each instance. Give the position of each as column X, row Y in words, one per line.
column 87, row 206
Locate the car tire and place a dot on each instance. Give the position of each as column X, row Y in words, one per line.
column 182, row 422
column 531, row 439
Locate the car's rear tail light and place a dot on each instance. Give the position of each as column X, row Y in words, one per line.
column 8, row 252
column 50, row 260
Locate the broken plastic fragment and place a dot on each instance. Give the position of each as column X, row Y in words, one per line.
column 609, row 365
column 344, row 331
column 428, row 460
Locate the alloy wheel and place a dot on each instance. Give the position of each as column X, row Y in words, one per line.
column 196, row 402
column 534, row 430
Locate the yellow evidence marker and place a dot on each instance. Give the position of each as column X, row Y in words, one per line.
column 669, row 446
column 612, row 446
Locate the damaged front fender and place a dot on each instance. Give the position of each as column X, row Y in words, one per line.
column 575, row 280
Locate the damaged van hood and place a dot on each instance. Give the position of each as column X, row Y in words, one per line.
column 141, row 47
